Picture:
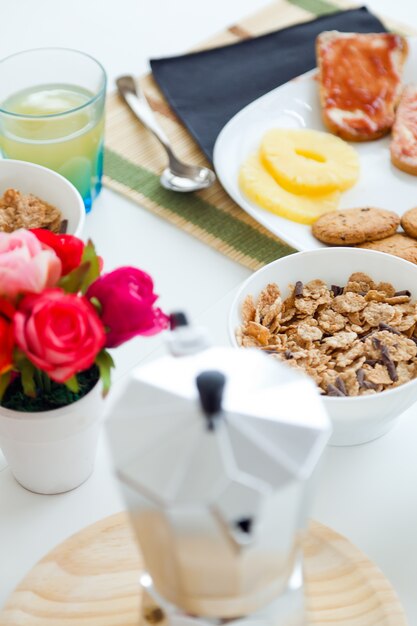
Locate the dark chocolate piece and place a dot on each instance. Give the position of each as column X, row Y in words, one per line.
column 288, row 354
column 376, row 343
column 404, row 292
column 383, row 326
column 389, row 363
column 341, row 386
column 392, row 371
column 360, row 375
column 336, row 290
column 365, row 384
column 63, row 227
column 298, row 291
column 334, row 391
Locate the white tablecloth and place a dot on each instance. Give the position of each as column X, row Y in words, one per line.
column 368, row 493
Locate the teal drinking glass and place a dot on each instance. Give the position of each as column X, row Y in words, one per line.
column 52, row 113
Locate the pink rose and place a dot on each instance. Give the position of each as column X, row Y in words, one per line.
column 60, row 333
column 25, row 266
column 127, row 298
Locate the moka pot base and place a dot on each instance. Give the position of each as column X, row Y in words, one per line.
column 93, row 577
column 287, row 610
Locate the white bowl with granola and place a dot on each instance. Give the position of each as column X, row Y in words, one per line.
column 32, row 196
column 346, row 317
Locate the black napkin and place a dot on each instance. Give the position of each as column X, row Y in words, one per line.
column 206, row 89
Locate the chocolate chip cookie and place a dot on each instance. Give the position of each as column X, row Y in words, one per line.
column 355, row 226
column 399, row 245
column 409, row 222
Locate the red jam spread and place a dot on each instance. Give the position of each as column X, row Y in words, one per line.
column 359, row 73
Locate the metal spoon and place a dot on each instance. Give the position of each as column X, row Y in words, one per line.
column 178, row 176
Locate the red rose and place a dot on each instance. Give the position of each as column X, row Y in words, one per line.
column 69, row 249
column 60, row 333
column 126, row 297
column 6, row 335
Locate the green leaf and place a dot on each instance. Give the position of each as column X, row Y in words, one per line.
column 90, row 256
column 27, row 370
column 105, row 363
column 72, row 384
column 73, row 282
column 96, row 304
column 18, row 356
column 86, row 273
column 4, row 383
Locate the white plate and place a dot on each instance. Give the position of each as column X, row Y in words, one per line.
column 296, row 105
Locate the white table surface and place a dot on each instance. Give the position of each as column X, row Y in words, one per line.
column 369, row 492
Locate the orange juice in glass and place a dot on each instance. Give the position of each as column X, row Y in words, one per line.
column 52, row 113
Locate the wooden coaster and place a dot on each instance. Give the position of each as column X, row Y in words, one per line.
column 91, row 579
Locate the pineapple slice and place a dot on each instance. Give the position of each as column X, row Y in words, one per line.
column 309, row 161
column 260, row 187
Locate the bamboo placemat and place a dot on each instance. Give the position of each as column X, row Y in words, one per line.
column 133, row 159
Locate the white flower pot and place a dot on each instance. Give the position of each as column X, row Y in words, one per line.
column 53, row 451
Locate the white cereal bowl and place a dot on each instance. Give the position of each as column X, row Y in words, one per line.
column 358, row 419
column 47, row 185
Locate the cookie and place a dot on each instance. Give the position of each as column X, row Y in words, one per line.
column 354, row 226
column 398, row 245
column 409, row 222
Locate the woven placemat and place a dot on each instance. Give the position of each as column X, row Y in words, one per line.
column 133, row 159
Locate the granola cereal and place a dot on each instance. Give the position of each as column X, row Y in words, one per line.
column 357, row 339
column 18, row 210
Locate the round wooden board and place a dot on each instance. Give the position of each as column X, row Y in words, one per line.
column 91, row 579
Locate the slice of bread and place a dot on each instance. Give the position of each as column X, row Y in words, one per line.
column 359, row 82
column 404, row 132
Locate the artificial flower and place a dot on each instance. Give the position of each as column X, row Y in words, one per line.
column 69, row 249
column 60, row 333
column 126, row 300
column 6, row 335
column 25, row 265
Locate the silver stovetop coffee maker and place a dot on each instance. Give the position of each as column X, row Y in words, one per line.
column 215, row 449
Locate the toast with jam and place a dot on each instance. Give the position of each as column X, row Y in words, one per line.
column 360, row 82
column 403, row 146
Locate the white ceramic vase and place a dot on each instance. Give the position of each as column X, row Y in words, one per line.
column 53, row 451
